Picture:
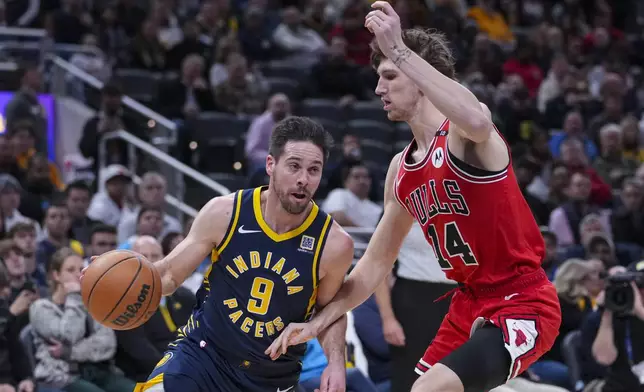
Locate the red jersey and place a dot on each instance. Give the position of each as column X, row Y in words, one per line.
column 479, row 224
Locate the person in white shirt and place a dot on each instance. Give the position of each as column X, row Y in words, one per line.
column 293, row 37
column 10, row 190
column 108, row 204
column 350, row 206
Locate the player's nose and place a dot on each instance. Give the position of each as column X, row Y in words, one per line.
column 381, row 88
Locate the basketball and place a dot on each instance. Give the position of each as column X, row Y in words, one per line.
column 121, row 289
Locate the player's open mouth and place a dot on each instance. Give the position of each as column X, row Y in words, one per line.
column 386, row 103
column 299, row 196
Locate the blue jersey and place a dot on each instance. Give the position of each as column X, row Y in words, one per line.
column 259, row 282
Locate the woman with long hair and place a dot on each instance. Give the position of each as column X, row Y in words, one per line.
column 73, row 352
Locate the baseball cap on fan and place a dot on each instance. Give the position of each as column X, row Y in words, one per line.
column 116, row 171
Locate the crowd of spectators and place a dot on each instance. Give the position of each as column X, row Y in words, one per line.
column 563, row 79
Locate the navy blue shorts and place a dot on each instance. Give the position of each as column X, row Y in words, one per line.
column 187, row 368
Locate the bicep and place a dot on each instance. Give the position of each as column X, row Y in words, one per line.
column 336, row 264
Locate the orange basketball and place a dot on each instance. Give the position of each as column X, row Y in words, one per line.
column 121, row 289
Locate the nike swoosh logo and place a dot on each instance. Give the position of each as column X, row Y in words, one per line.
column 242, row 231
column 508, row 297
column 284, row 390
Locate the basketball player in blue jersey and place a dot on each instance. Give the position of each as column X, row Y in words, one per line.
column 276, row 258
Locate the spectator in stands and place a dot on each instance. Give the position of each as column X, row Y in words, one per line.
column 565, row 220
column 15, row 369
column 219, row 70
column 77, row 198
column 191, row 43
column 93, row 61
column 368, row 325
column 24, row 235
column 255, row 35
column 313, row 364
column 578, row 282
column 111, row 117
column 551, row 260
column 23, row 289
column 335, row 76
column 102, row 239
column 23, row 138
column 351, row 155
column 259, row 133
column 73, row 351
column 146, row 51
column 169, row 33
column 189, row 96
column 552, row 85
column 131, row 15
column 72, row 22
column 211, row 23
column 350, row 206
column 627, row 221
column 573, row 127
column 236, row 94
column 151, row 194
column 356, row 36
column 8, row 159
column 56, row 224
column 616, row 341
column 631, row 139
column 611, row 165
column 149, row 222
column 108, row 204
column 141, row 348
column 316, row 17
column 10, row 191
column 38, row 190
column 572, row 155
column 113, row 40
column 294, row 38
column 526, row 170
column 24, row 106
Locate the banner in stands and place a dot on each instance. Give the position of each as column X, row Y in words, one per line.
column 48, row 103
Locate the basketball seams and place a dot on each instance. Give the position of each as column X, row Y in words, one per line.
column 144, row 313
column 89, row 296
column 129, row 286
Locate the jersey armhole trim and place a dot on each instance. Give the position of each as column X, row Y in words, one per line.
column 324, row 234
column 231, row 228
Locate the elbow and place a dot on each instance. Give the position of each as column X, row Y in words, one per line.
column 604, row 356
column 479, row 127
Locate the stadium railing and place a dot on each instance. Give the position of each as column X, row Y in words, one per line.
column 176, row 193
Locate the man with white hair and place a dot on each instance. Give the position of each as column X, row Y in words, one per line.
column 611, row 165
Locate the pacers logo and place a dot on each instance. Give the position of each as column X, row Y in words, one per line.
column 164, row 360
column 438, row 157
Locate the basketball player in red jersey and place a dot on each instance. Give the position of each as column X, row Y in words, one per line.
column 456, row 180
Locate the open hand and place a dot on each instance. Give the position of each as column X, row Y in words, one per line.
column 393, row 332
column 293, row 334
column 384, row 23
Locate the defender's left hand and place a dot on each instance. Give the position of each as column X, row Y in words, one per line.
column 293, row 334
column 384, row 23
column 334, row 378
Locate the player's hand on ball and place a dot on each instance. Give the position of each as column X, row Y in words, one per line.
column 393, row 332
column 384, row 23
column 293, row 334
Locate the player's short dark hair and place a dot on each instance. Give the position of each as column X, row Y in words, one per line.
column 78, row 185
column 100, row 228
column 430, row 44
column 299, row 129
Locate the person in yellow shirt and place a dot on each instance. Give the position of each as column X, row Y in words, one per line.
column 630, row 139
column 491, row 21
column 23, row 139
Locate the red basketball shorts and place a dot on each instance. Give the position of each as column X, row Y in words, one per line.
column 527, row 312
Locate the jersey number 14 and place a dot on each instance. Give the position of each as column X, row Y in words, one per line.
column 453, row 245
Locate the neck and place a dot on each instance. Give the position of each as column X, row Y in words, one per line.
column 18, row 281
column 275, row 216
column 58, row 240
column 424, row 123
column 59, row 295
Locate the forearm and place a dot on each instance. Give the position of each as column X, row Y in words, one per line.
column 452, row 99
column 361, row 283
column 333, row 340
column 604, row 349
column 383, row 299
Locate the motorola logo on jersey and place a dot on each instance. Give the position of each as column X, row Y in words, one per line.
column 261, row 292
column 438, row 157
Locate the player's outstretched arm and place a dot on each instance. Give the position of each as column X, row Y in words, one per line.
column 369, row 272
column 206, row 232
column 451, row 98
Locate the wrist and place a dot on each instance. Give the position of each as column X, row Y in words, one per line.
column 336, row 357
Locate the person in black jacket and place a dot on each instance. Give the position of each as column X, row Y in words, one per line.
column 15, row 368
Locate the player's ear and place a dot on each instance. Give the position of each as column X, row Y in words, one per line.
column 270, row 164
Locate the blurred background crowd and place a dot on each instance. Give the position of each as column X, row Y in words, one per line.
column 199, row 84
